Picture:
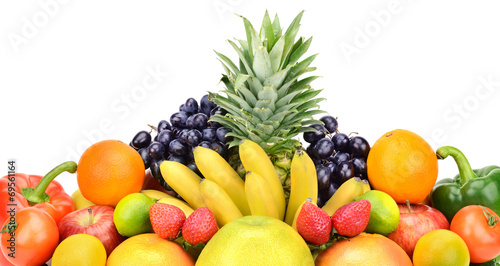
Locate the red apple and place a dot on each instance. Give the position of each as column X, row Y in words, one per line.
column 94, row 220
column 414, row 222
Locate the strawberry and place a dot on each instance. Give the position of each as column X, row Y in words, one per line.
column 352, row 219
column 167, row 220
column 314, row 224
column 199, row 227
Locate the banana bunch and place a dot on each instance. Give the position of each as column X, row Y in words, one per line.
column 184, row 181
column 345, row 194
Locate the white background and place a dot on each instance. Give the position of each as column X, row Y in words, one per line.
column 67, row 69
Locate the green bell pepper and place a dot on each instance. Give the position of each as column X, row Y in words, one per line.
column 469, row 187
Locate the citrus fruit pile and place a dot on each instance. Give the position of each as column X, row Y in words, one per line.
column 227, row 181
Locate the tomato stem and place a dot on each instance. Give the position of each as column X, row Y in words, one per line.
column 492, row 220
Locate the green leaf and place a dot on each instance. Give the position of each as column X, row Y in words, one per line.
column 248, row 29
column 301, row 50
column 283, row 90
column 290, row 34
column 287, row 98
column 263, row 113
column 242, row 57
column 307, row 94
column 267, row 31
column 248, row 95
column 240, row 79
column 228, row 62
column 302, row 84
column 268, row 92
column 229, row 84
column 310, row 104
column 298, row 68
column 239, row 100
column 277, row 79
column 266, row 129
column 254, row 84
column 262, row 64
column 276, row 54
column 276, row 26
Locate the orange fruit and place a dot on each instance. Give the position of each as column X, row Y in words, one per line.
column 108, row 171
column 149, row 249
column 364, row 249
column 403, row 165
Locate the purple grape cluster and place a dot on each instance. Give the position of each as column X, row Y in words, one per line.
column 337, row 156
column 175, row 139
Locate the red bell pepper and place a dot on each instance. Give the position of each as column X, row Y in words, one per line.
column 19, row 191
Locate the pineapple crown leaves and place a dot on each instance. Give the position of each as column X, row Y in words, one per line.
column 265, row 100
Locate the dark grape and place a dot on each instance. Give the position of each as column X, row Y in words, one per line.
column 192, row 165
column 189, row 122
column 323, row 175
column 209, row 134
column 182, row 108
column 309, row 151
column 156, row 150
column 141, row 140
column 179, row 119
column 320, row 203
column 130, row 144
column 341, row 142
column 176, row 147
column 206, row 105
column 165, row 137
column 189, row 155
column 155, row 170
column 146, row 159
column 345, row 171
column 359, row 165
column 182, row 135
column 200, row 121
column 333, row 169
column 163, row 125
column 177, row 158
column 191, row 106
column 319, row 133
column 221, row 134
column 193, row 137
column 218, row 111
column 359, row 147
column 323, row 148
column 341, row 157
column 328, row 193
column 219, row 148
column 331, row 123
column 205, row 144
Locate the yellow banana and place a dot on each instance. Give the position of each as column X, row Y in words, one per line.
column 366, row 185
column 294, row 224
column 304, row 183
column 255, row 159
column 155, row 194
column 345, row 194
column 178, row 203
column 184, row 181
column 215, row 168
column 219, row 202
column 260, row 199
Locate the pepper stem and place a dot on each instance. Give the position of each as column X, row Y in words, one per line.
column 464, row 168
column 38, row 195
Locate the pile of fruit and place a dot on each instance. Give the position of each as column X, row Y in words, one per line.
column 226, row 181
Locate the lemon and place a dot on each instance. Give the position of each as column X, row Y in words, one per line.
column 441, row 247
column 131, row 215
column 80, row 249
column 149, row 249
column 80, row 201
column 384, row 213
column 256, row 240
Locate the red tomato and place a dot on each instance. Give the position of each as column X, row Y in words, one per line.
column 34, row 239
column 479, row 227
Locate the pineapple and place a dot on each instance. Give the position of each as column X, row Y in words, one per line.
column 265, row 100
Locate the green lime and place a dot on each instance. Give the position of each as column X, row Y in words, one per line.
column 131, row 215
column 384, row 213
